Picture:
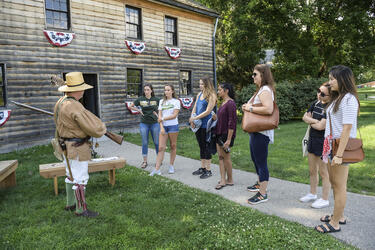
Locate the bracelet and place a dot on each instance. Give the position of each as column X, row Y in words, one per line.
column 338, row 156
column 251, row 109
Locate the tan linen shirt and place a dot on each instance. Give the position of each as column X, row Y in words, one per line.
column 74, row 121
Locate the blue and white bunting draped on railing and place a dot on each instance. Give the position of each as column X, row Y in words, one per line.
column 135, row 47
column 186, row 102
column 174, row 53
column 59, row 39
column 4, row 116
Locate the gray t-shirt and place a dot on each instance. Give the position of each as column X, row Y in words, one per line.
column 346, row 114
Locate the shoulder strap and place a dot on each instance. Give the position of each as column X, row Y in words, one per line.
column 330, row 127
column 57, row 112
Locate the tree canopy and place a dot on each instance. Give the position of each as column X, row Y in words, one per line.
column 307, row 36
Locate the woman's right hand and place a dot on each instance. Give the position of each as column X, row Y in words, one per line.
column 192, row 124
column 162, row 131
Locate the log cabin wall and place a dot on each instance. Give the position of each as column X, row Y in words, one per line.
column 98, row 48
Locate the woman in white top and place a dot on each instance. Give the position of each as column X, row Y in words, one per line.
column 169, row 107
column 342, row 114
column 259, row 141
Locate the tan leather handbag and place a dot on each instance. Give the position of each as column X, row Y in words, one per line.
column 252, row 122
column 353, row 152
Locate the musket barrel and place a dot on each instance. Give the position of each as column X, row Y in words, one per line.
column 114, row 137
column 33, row 108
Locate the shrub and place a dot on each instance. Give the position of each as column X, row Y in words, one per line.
column 292, row 98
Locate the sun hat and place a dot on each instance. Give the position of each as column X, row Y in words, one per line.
column 74, row 82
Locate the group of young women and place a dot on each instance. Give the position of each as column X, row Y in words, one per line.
column 333, row 116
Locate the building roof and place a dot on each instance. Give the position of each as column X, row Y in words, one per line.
column 192, row 6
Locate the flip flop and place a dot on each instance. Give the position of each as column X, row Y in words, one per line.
column 144, row 165
column 330, row 229
column 219, row 186
column 227, row 184
column 328, row 217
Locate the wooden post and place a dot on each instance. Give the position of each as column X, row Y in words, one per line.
column 55, row 185
column 112, row 177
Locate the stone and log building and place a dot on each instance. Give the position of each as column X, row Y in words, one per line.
column 119, row 45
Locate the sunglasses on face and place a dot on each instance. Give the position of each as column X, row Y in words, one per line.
column 254, row 75
column 321, row 93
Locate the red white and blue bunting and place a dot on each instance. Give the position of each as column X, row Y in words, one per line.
column 133, row 112
column 135, row 47
column 59, row 39
column 4, row 116
column 187, row 102
column 174, row 53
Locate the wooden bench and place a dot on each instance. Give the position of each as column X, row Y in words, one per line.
column 54, row 170
column 8, row 173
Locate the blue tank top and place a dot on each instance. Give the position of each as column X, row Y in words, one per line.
column 201, row 107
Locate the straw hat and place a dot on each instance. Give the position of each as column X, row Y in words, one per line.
column 74, row 82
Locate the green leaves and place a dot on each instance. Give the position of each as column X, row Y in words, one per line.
column 308, row 37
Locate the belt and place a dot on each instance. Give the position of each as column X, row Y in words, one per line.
column 79, row 140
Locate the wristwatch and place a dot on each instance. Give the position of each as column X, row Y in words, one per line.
column 251, row 109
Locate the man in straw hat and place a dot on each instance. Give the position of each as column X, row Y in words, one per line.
column 74, row 126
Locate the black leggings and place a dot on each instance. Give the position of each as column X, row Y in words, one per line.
column 203, row 145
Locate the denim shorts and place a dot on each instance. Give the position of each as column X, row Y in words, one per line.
column 171, row 129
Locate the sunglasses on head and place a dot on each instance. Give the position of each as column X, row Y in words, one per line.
column 254, row 74
column 321, row 93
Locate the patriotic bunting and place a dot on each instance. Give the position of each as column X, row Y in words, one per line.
column 133, row 112
column 4, row 116
column 187, row 102
column 174, row 53
column 135, row 47
column 59, row 39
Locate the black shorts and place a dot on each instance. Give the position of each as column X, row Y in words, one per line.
column 315, row 145
column 221, row 139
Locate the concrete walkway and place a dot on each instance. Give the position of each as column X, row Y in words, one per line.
column 283, row 195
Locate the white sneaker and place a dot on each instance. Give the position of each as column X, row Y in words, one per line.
column 308, row 197
column 171, row 169
column 320, row 203
column 155, row 172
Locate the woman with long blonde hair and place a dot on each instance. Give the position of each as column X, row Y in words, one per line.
column 204, row 104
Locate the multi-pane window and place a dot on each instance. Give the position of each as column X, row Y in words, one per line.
column 57, row 14
column 133, row 22
column 2, row 86
column 171, row 31
column 134, row 83
column 185, row 83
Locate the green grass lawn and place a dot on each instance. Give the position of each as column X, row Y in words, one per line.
column 139, row 212
column 285, row 155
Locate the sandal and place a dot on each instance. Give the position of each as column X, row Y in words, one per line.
column 144, row 165
column 328, row 229
column 327, row 218
column 219, row 186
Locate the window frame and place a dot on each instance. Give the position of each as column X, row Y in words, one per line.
column 140, row 26
column 140, row 87
column 68, row 12
column 4, row 84
column 188, row 93
column 175, row 33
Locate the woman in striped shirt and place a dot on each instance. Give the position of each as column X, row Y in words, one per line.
column 342, row 113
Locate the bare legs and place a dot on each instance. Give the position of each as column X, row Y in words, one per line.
column 225, row 164
column 315, row 164
column 338, row 176
column 163, row 138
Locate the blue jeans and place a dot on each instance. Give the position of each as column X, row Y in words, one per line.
column 144, row 129
column 259, row 153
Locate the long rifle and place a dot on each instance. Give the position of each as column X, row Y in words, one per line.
column 114, row 137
